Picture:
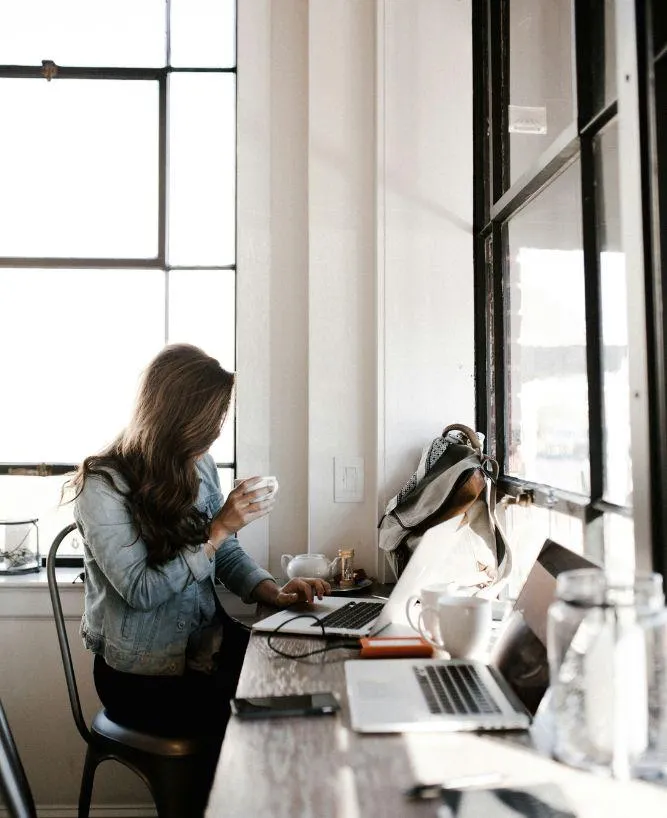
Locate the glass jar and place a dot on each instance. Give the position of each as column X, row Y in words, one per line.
column 607, row 648
column 19, row 546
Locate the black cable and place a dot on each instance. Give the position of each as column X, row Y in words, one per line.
column 351, row 644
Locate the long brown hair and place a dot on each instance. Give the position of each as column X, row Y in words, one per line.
column 182, row 403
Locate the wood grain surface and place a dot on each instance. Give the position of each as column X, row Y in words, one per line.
column 318, row 768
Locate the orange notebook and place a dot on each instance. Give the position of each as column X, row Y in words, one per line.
column 384, row 647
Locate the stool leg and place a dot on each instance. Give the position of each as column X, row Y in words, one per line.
column 87, row 777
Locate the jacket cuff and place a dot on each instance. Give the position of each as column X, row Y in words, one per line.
column 198, row 563
column 251, row 581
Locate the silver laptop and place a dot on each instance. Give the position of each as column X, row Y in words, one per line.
column 363, row 616
column 401, row 695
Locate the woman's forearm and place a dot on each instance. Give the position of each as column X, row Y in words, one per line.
column 266, row 591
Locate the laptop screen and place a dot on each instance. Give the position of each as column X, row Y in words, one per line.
column 520, row 652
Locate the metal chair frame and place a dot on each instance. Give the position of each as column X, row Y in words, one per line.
column 14, row 786
column 170, row 767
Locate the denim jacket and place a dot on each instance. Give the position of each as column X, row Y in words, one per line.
column 138, row 617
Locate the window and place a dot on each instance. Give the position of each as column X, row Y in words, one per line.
column 553, row 343
column 117, row 214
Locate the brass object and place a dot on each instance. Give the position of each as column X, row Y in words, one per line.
column 346, row 566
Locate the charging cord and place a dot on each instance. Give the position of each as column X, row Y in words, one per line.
column 352, row 644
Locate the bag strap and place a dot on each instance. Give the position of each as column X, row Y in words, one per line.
column 467, row 431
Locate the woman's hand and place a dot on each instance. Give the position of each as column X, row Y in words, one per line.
column 300, row 589
column 241, row 507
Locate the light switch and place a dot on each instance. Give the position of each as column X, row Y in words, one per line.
column 348, row 479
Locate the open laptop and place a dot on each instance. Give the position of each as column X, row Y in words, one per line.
column 401, row 695
column 356, row 617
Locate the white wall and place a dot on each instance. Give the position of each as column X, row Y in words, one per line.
column 427, row 303
column 355, row 324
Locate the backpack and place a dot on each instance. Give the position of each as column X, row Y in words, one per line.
column 453, row 478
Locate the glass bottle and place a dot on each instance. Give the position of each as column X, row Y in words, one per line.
column 607, row 648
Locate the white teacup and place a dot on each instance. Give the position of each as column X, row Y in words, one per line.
column 463, row 625
column 269, row 483
column 427, row 598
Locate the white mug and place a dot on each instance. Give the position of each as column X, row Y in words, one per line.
column 463, row 625
column 427, row 598
column 269, row 483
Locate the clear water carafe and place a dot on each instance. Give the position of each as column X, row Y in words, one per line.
column 607, row 647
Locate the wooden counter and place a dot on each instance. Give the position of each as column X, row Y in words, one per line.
column 319, row 768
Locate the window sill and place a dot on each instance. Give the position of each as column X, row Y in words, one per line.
column 37, row 579
column 26, row 596
column 19, row 600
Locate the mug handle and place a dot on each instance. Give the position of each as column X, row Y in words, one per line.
column 408, row 609
column 422, row 628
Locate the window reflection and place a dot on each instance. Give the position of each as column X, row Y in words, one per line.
column 613, row 294
column 547, row 385
column 541, row 78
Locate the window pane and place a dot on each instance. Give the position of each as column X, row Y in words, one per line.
column 203, row 33
column 613, row 294
column 226, row 480
column 541, row 92
column 527, row 528
column 79, row 168
column 223, row 448
column 546, row 348
column 73, row 345
column 202, row 157
column 201, row 312
column 83, row 33
column 38, row 498
column 619, row 545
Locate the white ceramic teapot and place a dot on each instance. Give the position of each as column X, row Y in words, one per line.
column 308, row 565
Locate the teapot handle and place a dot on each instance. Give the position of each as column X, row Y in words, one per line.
column 285, row 561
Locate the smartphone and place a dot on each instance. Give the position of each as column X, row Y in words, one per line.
column 269, row 707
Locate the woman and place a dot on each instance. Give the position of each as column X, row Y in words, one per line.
column 156, row 530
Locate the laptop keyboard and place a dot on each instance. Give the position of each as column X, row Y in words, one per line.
column 353, row 616
column 454, row 689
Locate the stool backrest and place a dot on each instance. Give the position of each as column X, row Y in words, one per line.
column 14, row 786
column 63, row 641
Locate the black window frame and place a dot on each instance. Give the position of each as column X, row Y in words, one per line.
column 495, row 200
